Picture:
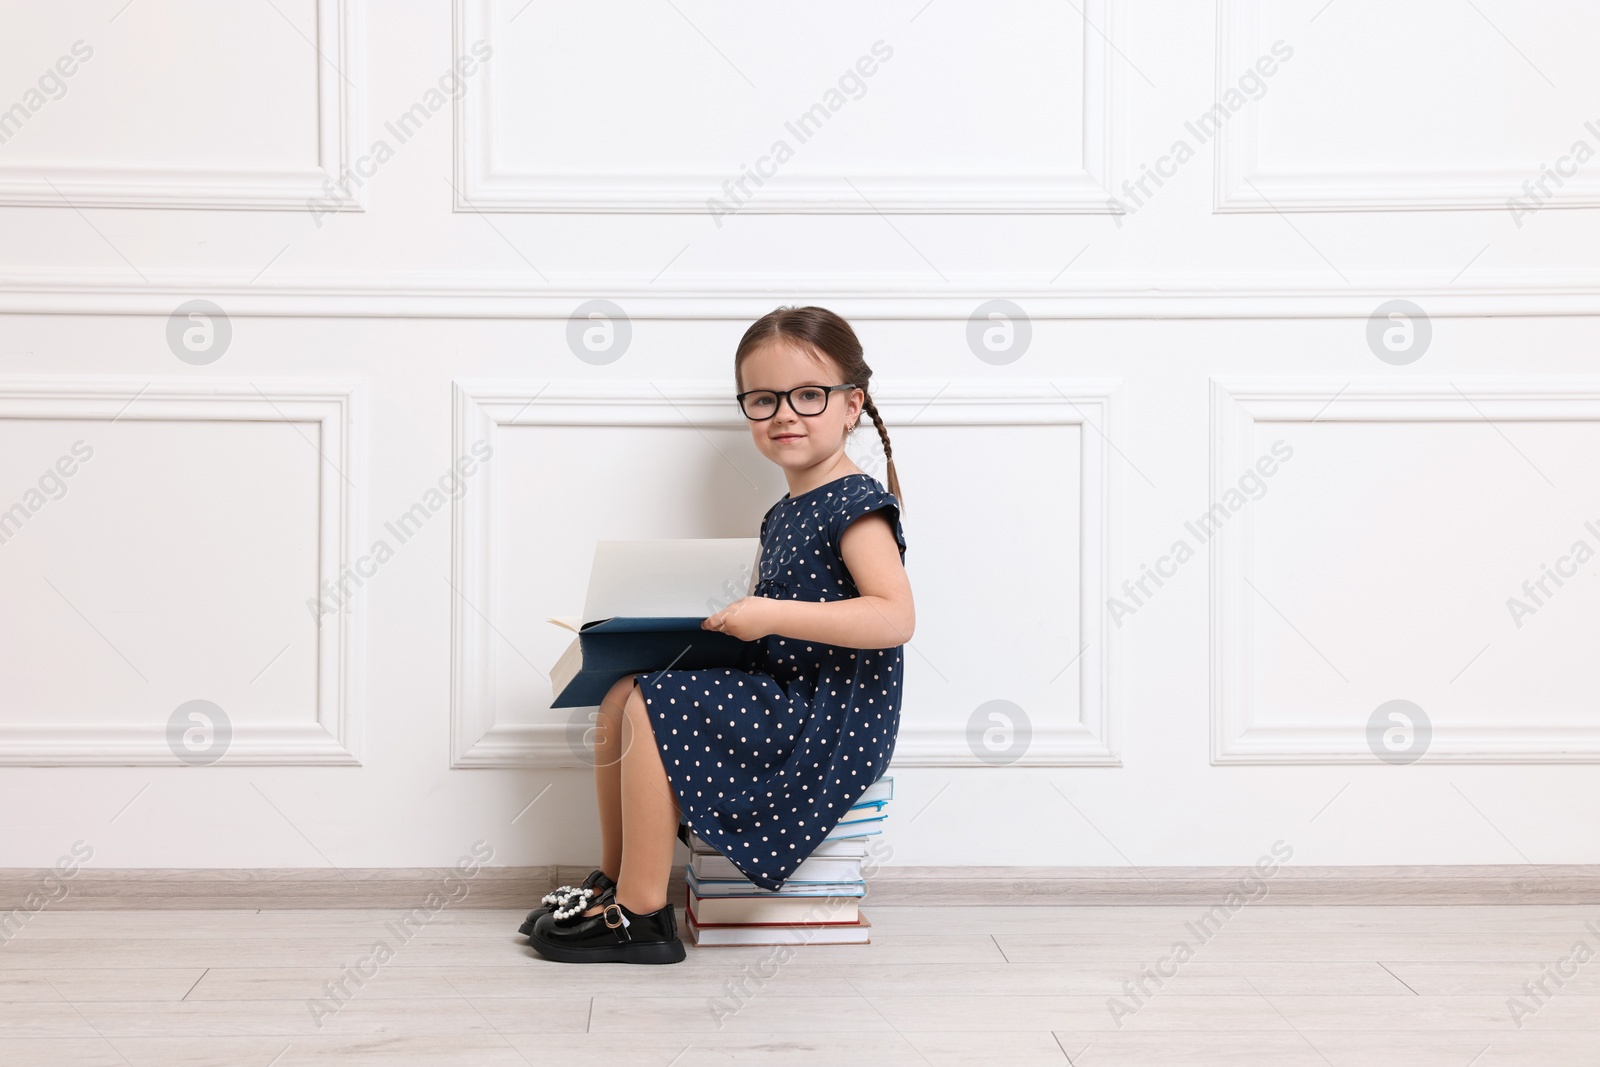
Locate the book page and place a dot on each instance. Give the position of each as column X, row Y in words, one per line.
column 683, row 577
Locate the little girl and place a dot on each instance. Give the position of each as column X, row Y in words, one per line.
column 761, row 761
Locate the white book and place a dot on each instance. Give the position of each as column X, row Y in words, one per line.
column 856, row 933
column 812, row 869
column 791, row 888
column 774, row 909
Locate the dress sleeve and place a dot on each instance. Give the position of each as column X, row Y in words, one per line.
column 857, row 502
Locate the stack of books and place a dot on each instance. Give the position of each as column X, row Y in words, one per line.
column 820, row 904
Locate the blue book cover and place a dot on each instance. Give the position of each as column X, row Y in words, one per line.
column 609, row 649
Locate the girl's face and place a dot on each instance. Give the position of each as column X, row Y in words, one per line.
column 792, row 441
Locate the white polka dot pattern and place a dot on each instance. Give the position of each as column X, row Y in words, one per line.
column 766, row 758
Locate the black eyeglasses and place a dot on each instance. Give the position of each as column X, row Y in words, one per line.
column 759, row 405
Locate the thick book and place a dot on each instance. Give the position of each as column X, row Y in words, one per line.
column 645, row 603
column 743, row 887
column 878, row 792
column 869, row 813
column 844, row 832
column 711, row 867
column 848, row 838
column 772, row 909
column 854, row 848
column 856, row 933
column 850, row 847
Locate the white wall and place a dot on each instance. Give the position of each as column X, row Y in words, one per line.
column 1167, row 341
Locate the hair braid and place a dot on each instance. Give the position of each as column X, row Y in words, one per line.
column 888, row 450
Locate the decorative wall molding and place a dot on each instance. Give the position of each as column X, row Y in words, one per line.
column 1236, row 406
column 739, row 297
column 1241, row 186
column 482, row 408
column 481, row 187
column 340, row 37
column 335, row 409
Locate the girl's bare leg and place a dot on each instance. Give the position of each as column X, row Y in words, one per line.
column 608, row 747
column 649, row 811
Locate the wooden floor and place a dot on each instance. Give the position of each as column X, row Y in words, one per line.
column 1285, row 986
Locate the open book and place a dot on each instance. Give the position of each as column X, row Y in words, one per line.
column 643, row 611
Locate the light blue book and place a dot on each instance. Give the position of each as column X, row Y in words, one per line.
column 878, row 792
column 828, row 870
column 857, row 816
column 791, row 888
column 845, row 831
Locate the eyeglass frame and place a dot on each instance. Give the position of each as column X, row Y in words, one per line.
column 782, row 395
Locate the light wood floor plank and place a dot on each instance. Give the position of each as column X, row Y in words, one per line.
column 79, row 984
column 792, row 978
column 55, row 1051
column 291, row 1018
column 1500, row 978
column 819, row 1048
column 695, row 1015
column 389, row 1050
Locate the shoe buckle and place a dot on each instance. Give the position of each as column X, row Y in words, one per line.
column 622, row 920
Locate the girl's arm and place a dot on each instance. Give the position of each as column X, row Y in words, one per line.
column 883, row 616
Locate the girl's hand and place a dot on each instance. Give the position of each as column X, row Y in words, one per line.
column 746, row 618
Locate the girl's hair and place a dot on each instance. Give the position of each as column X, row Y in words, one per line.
column 818, row 330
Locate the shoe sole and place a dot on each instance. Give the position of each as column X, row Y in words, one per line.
column 653, row 952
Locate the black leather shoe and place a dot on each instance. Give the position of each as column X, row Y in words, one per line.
column 565, row 896
column 616, row 935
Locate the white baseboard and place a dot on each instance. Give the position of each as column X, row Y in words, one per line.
column 521, row 887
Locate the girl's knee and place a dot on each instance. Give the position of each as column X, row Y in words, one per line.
column 617, row 698
column 636, row 717
column 634, row 708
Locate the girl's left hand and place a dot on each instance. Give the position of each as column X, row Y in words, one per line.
column 746, row 618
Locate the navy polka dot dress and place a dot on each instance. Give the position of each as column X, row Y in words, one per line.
column 765, row 759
